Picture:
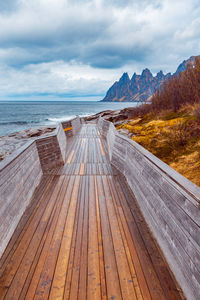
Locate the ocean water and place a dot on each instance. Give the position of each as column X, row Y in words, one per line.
column 20, row 115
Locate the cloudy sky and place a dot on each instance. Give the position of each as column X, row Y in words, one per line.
column 78, row 48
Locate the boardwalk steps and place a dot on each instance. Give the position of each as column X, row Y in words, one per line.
column 83, row 236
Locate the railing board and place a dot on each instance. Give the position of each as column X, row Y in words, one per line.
column 82, row 240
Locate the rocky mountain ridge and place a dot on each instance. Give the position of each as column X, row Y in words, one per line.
column 140, row 87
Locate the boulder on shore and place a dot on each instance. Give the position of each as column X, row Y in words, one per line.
column 11, row 142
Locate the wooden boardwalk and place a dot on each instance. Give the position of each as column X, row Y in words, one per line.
column 83, row 236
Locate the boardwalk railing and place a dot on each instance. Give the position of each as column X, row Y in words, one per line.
column 169, row 202
column 21, row 173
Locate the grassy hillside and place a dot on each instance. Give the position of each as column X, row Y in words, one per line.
column 172, row 137
column 170, row 126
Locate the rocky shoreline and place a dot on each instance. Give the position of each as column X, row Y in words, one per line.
column 11, row 142
column 114, row 116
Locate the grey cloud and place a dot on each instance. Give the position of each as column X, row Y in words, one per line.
column 8, row 5
column 90, row 39
column 136, row 3
column 109, row 35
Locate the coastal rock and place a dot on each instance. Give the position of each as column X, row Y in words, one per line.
column 115, row 116
column 11, row 142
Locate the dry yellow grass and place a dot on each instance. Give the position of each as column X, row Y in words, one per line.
column 173, row 137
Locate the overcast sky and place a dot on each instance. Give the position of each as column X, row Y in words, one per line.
column 78, row 48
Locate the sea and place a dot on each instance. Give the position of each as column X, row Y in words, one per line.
column 19, row 115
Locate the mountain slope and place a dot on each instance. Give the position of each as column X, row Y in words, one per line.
column 140, row 87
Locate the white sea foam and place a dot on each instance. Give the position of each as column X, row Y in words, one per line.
column 61, row 119
column 66, row 118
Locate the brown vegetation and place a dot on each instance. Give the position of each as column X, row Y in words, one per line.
column 176, row 92
column 169, row 127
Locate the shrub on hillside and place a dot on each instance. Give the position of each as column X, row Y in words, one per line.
column 179, row 90
column 197, row 111
column 176, row 92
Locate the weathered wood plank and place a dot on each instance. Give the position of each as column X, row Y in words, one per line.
column 15, row 261
column 111, row 270
column 85, row 240
column 30, row 286
column 93, row 282
column 45, row 184
column 125, row 278
column 57, row 288
column 133, row 264
column 100, row 244
column 48, row 270
column 78, row 245
column 82, row 290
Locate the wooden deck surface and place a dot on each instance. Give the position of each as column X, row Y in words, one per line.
column 83, row 236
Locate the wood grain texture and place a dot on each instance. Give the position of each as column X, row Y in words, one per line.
column 81, row 238
column 169, row 202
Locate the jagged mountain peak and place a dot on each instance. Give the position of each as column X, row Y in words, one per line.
column 125, row 77
column 146, row 75
column 183, row 65
column 160, row 74
column 134, row 76
column 146, row 72
column 141, row 87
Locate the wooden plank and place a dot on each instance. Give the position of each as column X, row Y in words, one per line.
column 112, row 277
column 105, row 170
column 125, row 278
column 77, row 168
column 25, row 265
column 168, row 282
column 25, row 220
column 134, row 264
column 152, row 280
column 14, row 263
column 39, row 259
column 89, row 168
column 101, row 148
column 94, row 169
column 30, row 261
column 78, row 245
column 89, row 151
column 101, row 169
column 95, row 151
column 70, row 267
column 57, row 288
column 157, row 217
column 29, row 289
column 100, row 244
column 161, row 267
column 89, row 244
column 77, row 153
column 80, row 152
column 82, row 169
column 99, row 157
column 47, row 273
column 104, row 146
column 82, row 290
column 85, row 152
column 69, row 159
column 93, row 286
